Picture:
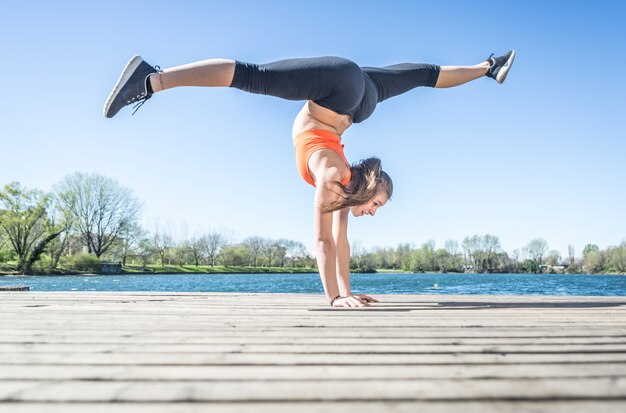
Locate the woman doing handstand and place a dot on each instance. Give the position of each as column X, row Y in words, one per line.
column 338, row 93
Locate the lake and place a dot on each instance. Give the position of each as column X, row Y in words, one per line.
column 504, row 284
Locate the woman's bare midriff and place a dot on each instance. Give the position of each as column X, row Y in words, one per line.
column 314, row 116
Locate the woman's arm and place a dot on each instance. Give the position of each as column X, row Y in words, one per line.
column 325, row 166
column 340, row 235
column 326, row 250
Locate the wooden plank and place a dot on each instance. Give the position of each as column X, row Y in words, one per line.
column 39, row 372
column 489, row 406
column 250, row 346
column 27, row 338
column 314, row 390
column 283, row 358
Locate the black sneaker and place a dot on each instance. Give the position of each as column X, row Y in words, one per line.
column 500, row 66
column 131, row 87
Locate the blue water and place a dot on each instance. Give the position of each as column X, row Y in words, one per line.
column 510, row 284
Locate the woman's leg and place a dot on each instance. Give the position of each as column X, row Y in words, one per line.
column 332, row 82
column 451, row 76
column 211, row 72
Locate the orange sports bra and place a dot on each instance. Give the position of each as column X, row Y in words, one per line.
column 313, row 140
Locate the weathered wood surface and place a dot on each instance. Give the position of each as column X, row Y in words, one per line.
column 183, row 352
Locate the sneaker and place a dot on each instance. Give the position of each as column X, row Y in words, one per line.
column 500, row 66
column 131, row 87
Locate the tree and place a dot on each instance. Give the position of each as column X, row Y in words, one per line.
column 25, row 222
column 589, row 248
column 213, row 243
column 145, row 249
column 281, row 251
column 490, row 248
column 616, row 257
column 59, row 246
column 571, row 254
column 162, row 242
column 403, row 256
column 471, row 246
column 255, row 247
column 593, row 261
column 536, row 249
column 274, row 251
column 553, row 258
column 235, row 255
column 452, row 247
column 102, row 210
column 197, row 246
column 296, row 251
column 130, row 238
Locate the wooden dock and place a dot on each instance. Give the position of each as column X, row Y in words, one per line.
column 193, row 352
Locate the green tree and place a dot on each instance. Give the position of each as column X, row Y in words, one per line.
column 235, row 255
column 593, row 262
column 25, row 223
column 589, row 248
column 616, row 257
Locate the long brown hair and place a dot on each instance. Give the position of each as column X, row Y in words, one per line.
column 367, row 180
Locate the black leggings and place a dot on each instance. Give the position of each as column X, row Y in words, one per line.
column 333, row 82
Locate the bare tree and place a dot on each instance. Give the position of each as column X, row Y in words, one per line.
column 60, row 245
column 130, row 238
column 271, row 250
column 452, row 247
column 570, row 253
column 197, row 246
column 102, row 209
column 296, row 251
column 536, row 249
column 161, row 242
column 282, row 246
column 490, row 248
column 213, row 243
column 553, row 258
column 471, row 246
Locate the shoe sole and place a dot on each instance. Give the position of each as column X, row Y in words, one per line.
column 501, row 76
column 132, row 64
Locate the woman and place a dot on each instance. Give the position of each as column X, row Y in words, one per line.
column 338, row 93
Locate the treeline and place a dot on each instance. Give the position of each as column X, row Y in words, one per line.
column 483, row 253
column 89, row 218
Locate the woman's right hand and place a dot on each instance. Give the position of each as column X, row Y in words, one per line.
column 350, row 301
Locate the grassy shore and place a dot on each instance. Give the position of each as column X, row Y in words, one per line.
column 207, row 269
column 11, row 269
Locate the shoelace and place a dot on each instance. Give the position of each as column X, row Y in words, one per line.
column 141, row 101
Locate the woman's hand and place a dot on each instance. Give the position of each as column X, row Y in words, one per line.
column 360, row 300
column 367, row 298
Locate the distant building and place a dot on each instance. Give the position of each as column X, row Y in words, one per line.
column 559, row 269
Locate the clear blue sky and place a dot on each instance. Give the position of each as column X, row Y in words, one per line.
column 541, row 156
